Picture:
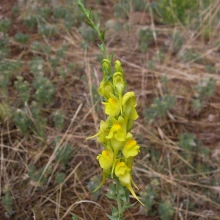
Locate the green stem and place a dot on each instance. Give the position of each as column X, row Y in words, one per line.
column 120, row 211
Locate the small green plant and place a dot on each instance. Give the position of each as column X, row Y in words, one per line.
column 166, row 210
column 203, row 91
column 211, row 69
column 122, row 9
column 4, row 46
column 21, row 38
column 139, row 5
column 159, row 107
column 92, row 185
column 60, row 177
column 178, row 41
column 59, row 13
column 7, row 201
column 148, row 197
column 47, row 30
column 23, row 88
column 43, row 12
column 4, row 25
column 58, row 119
column 38, row 47
column 172, row 11
column 30, row 21
column 22, row 121
column 37, row 66
column 7, row 70
column 38, row 124
column 44, row 90
column 5, row 111
column 64, row 154
column 88, row 33
column 36, row 175
column 145, row 39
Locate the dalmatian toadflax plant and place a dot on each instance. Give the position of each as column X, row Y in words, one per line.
column 120, row 148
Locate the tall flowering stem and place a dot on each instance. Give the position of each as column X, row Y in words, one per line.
column 120, row 148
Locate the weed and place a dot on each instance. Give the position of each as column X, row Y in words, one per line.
column 23, row 88
column 37, row 66
column 59, row 13
column 5, row 111
column 172, row 11
column 60, row 177
column 58, row 119
column 166, row 210
column 159, row 107
column 204, row 90
column 47, row 30
column 21, row 38
column 5, row 25
column 22, row 121
column 92, row 185
column 122, row 9
column 44, row 90
column 7, row 201
column 88, row 33
column 36, row 175
column 4, row 47
column 30, row 21
column 64, row 155
column 146, row 38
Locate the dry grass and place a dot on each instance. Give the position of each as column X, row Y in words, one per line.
column 76, row 97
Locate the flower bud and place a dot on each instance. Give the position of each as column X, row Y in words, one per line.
column 118, row 81
column 106, row 89
column 106, row 67
column 118, row 67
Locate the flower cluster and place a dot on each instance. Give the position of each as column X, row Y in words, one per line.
column 117, row 158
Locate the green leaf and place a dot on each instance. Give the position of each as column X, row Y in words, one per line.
column 112, row 217
column 111, row 56
column 110, row 196
column 102, row 35
column 74, row 217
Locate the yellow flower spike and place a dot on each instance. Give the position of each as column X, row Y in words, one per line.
column 130, row 149
column 112, row 107
column 118, row 130
column 124, row 175
column 105, row 159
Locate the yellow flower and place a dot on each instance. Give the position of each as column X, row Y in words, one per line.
column 105, row 159
column 118, row 130
column 106, row 89
column 128, row 105
column 123, row 172
column 130, row 149
column 129, row 112
column 112, row 107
